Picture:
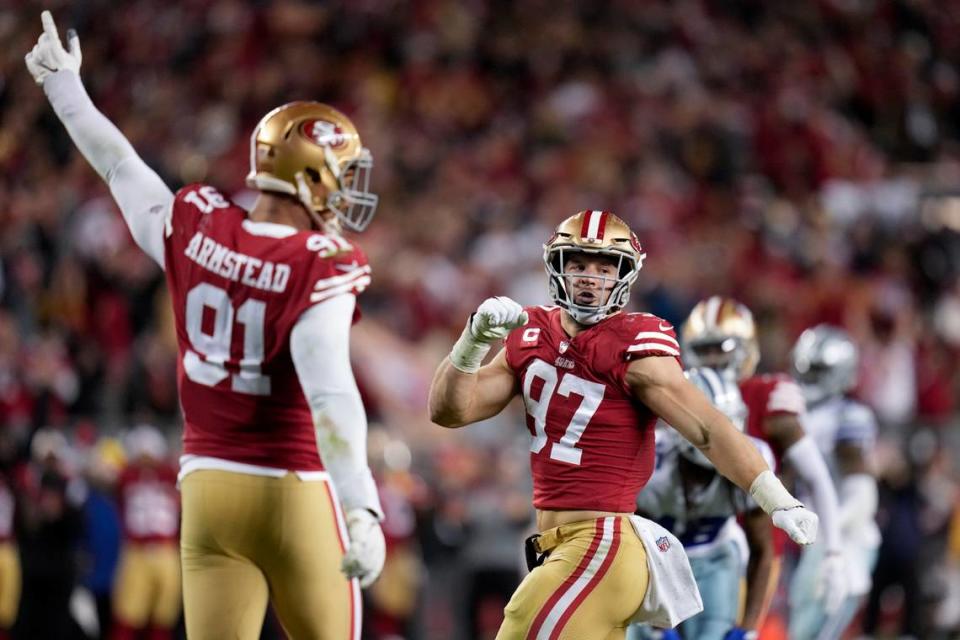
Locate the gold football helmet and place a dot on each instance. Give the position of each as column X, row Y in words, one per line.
column 594, row 232
column 313, row 152
column 720, row 333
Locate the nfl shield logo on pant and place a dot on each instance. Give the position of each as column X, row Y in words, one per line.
column 662, row 543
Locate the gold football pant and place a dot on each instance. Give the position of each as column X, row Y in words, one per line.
column 249, row 538
column 590, row 585
column 147, row 590
column 9, row 584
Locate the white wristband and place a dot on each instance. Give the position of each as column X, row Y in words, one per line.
column 770, row 493
column 468, row 352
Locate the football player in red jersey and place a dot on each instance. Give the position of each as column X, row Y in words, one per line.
column 146, row 594
column 593, row 381
column 264, row 301
column 720, row 333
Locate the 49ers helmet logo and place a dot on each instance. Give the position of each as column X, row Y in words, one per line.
column 325, row 134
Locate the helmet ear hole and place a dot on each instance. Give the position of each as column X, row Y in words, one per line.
column 313, row 174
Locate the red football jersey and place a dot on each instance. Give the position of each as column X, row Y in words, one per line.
column 593, row 443
column 238, row 288
column 768, row 395
column 149, row 503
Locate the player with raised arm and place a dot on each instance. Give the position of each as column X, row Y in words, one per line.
column 264, row 302
column 593, row 380
column 688, row 497
column 720, row 333
column 825, row 362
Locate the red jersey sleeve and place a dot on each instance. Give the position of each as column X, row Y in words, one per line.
column 642, row 335
column 772, row 394
column 654, row 337
column 785, row 397
column 769, row 395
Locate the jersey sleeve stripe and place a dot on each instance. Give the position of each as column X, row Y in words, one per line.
column 656, row 335
column 325, row 283
column 653, row 346
column 357, row 286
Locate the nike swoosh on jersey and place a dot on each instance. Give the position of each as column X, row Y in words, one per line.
column 666, row 327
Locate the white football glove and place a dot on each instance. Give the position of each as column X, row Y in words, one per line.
column 367, row 551
column 832, row 585
column 495, row 318
column 799, row 522
column 48, row 55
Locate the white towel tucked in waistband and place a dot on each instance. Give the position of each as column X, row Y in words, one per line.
column 672, row 595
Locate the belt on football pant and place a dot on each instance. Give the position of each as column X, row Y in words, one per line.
column 537, row 547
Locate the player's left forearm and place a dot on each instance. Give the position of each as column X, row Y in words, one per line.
column 733, row 454
column 660, row 385
column 742, row 463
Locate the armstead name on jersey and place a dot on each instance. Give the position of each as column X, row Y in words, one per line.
column 257, row 273
column 238, row 288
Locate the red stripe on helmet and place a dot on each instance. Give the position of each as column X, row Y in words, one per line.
column 603, row 224
column 594, row 223
column 585, row 226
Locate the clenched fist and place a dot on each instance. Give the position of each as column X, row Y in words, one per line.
column 799, row 522
column 495, row 318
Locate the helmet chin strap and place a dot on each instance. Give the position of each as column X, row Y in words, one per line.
column 325, row 224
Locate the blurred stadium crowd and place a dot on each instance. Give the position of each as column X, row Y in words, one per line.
column 802, row 157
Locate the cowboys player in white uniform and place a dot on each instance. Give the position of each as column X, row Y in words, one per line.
column 825, row 363
column 687, row 496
